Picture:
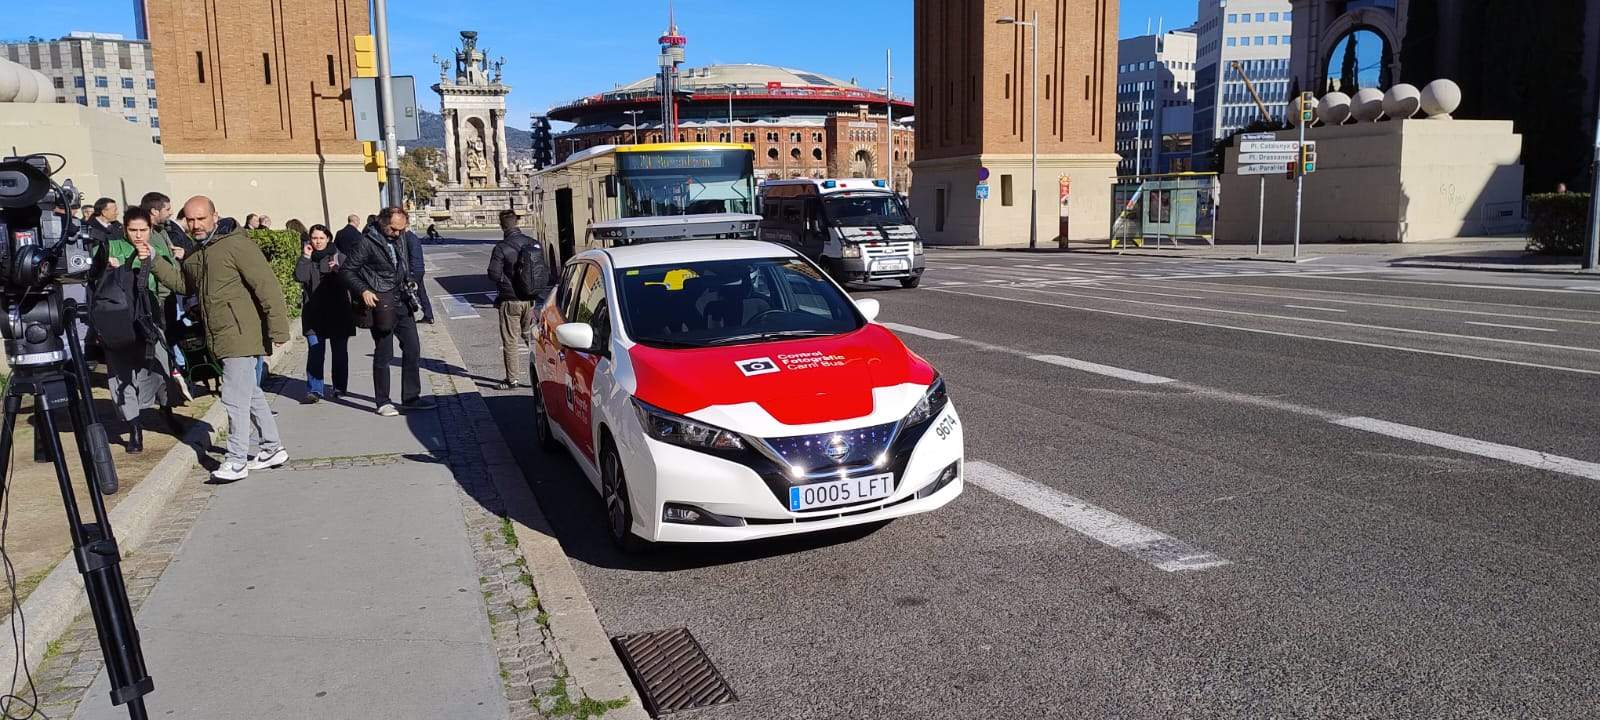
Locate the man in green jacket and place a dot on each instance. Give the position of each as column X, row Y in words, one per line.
column 245, row 316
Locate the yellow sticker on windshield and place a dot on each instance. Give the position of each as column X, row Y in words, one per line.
column 674, row 279
column 632, row 273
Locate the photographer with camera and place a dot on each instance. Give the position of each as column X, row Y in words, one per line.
column 245, row 317
column 377, row 269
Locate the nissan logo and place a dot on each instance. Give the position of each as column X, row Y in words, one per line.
column 837, row 448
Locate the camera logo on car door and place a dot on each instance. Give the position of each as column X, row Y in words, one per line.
column 756, row 366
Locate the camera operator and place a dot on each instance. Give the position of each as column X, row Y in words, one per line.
column 245, row 316
column 377, row 269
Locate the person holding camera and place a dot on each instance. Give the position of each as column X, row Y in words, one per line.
column 377, row 270
column 134, row 341
column 245, row 318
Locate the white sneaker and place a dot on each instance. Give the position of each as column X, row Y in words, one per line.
column 267, row 460
column 230, row 472
column 387, row 410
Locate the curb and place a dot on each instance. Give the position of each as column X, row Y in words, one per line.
column 1193, row 256
column 584, row 647
column 58, row 600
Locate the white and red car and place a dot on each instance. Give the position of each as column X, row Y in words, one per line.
column 724, row 390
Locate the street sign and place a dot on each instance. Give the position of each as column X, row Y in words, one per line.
column 365, row 106
column 983, row 174
column 1257, row 137
column 983, row 191
column 1261, row 168
column 1274, row 146
column 1261, row 158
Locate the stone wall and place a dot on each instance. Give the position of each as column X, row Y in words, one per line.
column 106, row 156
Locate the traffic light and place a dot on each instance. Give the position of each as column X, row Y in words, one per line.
column 1308, row 158
column 372, row 158
column 1307, row 107
column 366, row 56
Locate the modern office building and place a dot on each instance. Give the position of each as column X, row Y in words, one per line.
column 98, row 70
column 1155, row 102
column 1255, row 34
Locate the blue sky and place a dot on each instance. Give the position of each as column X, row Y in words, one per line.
column 558, row 50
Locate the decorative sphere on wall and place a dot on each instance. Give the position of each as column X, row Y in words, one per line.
column 1402, row 101
column 1367, row 105
column 46, row 88
column 28, row 86
column 1293, row 114
column 1334, row 108
column 1440, row 98
column 10, row 80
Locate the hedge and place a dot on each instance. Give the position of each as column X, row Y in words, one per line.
column 1557, row 223
column 283, row 249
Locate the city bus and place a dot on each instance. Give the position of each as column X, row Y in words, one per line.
column 612, row 182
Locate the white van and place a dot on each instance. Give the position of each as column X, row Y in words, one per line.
column 857, row 229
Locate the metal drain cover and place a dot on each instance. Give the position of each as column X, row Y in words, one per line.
column 672, row 671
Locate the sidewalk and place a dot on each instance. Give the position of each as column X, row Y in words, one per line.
column 371, row 577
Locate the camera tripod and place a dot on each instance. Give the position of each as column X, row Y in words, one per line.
column 57, row 378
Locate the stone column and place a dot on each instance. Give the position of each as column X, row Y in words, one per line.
column 500, row 148
column 452, row 173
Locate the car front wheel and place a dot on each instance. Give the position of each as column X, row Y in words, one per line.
column 619, row 511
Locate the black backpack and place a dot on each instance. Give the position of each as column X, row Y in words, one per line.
column 120, row 309
column 529, row 274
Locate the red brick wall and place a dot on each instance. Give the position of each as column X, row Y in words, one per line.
column 235, row 110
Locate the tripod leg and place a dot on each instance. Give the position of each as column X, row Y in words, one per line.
column 8, row 426
column 99, row 561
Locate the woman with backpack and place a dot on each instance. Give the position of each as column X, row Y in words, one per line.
column 326, row 317
column 127, row 306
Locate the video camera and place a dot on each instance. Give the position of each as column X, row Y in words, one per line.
column 39, row 239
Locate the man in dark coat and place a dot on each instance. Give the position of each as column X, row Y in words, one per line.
column 377, row 271
column 512, row 307
column 349, row 234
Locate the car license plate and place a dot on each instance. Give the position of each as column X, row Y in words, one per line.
column 892, row 265
column 840, row 492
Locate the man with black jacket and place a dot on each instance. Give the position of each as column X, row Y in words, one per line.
column 349, row 234
column 376, row 269
column 512, row 305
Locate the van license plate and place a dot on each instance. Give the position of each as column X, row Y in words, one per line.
column 894, row 265
column 840, row 492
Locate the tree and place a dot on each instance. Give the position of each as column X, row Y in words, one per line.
column 419, row 172
column 1349, row 82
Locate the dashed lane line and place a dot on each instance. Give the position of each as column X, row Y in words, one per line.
column 922, row 332
column 1496, row 451
column 1512, row 327
column 1312, row 307
column 1108, row 528
column 1232, row 291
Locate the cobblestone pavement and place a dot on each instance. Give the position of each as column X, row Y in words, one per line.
column 534, row 681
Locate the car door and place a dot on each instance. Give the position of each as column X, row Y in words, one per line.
column 590, row 306
column 552, row 379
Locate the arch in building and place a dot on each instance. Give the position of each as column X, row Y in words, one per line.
column 1379, row 21
column 861, row 164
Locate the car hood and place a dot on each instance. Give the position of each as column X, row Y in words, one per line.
column 798, row 382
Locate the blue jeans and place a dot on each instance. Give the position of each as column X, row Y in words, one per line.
column 315, row 349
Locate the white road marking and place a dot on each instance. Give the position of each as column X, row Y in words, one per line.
column 1139, row 292
column 1584, row 288
column 1152, row 546
column 1513, row 327
column 1459, row 285
column 1098, row 369
column 1470, row 446
column 923, row 332
column 1232, row 291
column 1308, row 307
column 1388, row 328
column 458, row 307
column 1278, row 333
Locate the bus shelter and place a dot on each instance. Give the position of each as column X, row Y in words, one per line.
column 1173, row 207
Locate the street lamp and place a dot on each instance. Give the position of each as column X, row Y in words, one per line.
column 634, row 117
column 1033, row 203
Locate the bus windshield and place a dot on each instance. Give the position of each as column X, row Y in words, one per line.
column 686, row 182
column 849, row 209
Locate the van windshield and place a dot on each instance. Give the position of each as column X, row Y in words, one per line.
column 850, row 209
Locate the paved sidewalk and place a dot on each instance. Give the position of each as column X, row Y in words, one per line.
column 369, row 578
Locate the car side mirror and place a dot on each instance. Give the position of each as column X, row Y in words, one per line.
column 577, row 336
column 867, row 306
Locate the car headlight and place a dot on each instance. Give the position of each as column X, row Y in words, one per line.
column 851, row 250
column 679, row 430
column 916, row 247
column 931, row 403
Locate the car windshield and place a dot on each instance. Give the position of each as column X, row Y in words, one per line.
column 730, row 302
column 855, row 209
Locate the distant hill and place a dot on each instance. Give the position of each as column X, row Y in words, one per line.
column 518, row 141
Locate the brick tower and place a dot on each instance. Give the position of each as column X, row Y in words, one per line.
column 255, row 101
column 973, row 79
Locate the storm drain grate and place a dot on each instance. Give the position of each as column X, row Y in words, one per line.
column 672, row 671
